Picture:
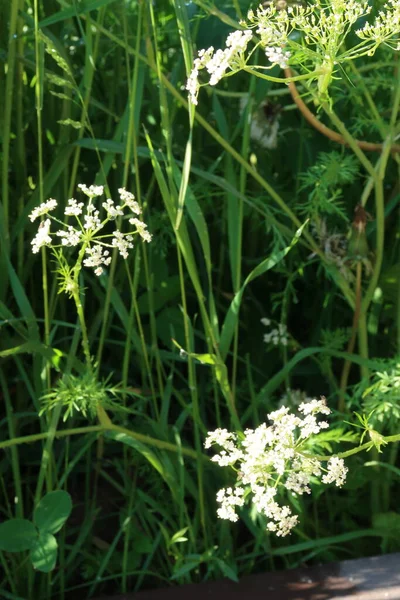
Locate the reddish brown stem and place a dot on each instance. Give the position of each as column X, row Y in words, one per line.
column 326, row 131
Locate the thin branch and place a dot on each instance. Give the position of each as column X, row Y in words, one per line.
column 326, row 131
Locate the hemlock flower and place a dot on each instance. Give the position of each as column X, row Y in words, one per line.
column 112, row 210
column 277, row 56
column 97, row 256
column 385, row 26
column 42, row 238
column 228, row 499
column 141, row 229
column 43, row 209
column 270, row 459
column 323, row 26
column 336, row 471
column 71, row 237
column 278, row 335
column 73, row 208
column 123, row 243
column 92, row 191
column 89, row 229
column 216, row 64
column 129, row 199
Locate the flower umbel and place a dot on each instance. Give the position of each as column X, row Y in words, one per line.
column 271, row 459
column 216, row 64
column 89, row 230
column 311, row 37
column 278, row 336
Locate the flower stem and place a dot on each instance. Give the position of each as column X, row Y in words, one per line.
column 76, row 294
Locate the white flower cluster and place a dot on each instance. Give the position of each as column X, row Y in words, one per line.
column 385, row 27
column 273, row 25
column 324, row 25
column 278, row 335
column 87, row 229
column 42, row 238
column 43, row 209
column 271, row 458
column 216, row 64
column 277, row 56
column 323, row 22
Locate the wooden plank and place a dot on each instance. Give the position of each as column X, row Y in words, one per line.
column 375, row 578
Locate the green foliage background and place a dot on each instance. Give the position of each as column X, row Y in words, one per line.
column 94, row 92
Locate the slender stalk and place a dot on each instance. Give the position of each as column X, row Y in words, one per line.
column 76, row 295
column 351, row 141
column 14, row 451
column 8, row 106
column 352, row 341
column 101, row 429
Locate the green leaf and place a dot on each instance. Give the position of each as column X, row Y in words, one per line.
column 227, row 570
column 232, row 316
column 71, row 123
column 324, row 542
column 44, row 553
column 17, row 535
column 77, row 9
column 179, row 536
column 187, row 567
column 221, row 371
column 387, row 524
column 148, row 454
column 52, row 511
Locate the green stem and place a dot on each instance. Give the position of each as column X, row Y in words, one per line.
column 350, row 141
column 307, row 76
column 101, row 429
column 7, row 107
column 363, row 344
column 76, row 294
column 19, row 509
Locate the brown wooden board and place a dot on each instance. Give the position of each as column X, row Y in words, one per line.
column 375, row 578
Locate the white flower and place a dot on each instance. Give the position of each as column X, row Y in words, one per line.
column 310, row 426
column 122, row 242
column 229, row 499
column 43, row 209
column 112, row 211
column 192, row 85
column 71, row 237
column 284, row 520
column 129, row 200
column 224, row 459
column 222, row 437
column 298, row 482
column 277, row 336
column 271, row 456
column 337, row 471
column 141, row 229
column 385, row 26
column 87, row 230
column 42, row 238
column 315, row 406
column 91, row 191
column 277, row 56
column 92, row 221
column 97, row 256
column 216, row 64
column 73, row 208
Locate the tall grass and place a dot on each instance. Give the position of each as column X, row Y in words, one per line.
column 94, row 92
